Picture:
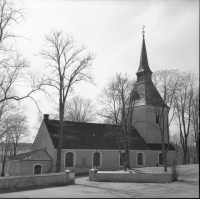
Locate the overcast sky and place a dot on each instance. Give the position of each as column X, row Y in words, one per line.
column 113, row 31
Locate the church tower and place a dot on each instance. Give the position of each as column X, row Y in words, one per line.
column 145, row 119
column 144, row 72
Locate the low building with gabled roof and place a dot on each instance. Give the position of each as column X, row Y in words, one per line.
column 33, row 162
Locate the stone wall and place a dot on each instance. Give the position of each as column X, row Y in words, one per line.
column 97, row 176
column 36, row 181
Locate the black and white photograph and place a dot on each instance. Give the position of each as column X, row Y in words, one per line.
column 99, row 98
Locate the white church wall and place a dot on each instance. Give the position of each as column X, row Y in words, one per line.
column 144, row 121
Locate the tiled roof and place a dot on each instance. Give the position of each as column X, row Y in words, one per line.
column 149, row 95
column 40, row 154
column 78, row 135
column 159, row 147
column 144, row 86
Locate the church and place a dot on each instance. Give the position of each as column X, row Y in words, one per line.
column 92, row 145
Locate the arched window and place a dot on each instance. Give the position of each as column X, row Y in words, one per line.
column 37, row 169
column 96, row 159
column 140, row 159
column 157, row 119
column 160, row 158
column 122, row 159
column 69, row 159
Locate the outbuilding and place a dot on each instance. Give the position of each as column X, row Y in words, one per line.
column 29, row 163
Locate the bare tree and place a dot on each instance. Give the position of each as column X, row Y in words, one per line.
column 192, row 153
column 13, row 127
column 167, row 83
column 10, row 13
column 13, row 76
column 18, row 131
column 183, row 104
column 118, row 100
column 79, row 109
column 5, row 111
column 175, row 141
column 109, row 99
column 13, row 67
column 195, row 120
column 5, row 148
column 68, row 67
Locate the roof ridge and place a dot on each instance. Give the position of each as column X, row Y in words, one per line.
column 86, row 123
column 30, row 155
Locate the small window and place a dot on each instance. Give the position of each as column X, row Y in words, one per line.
column 157, row 119
column 96, row 159
column 140, row 159
column 122, row 159
column 37, row 169
column 160, row 159
column 140, row 78
column 69, row 159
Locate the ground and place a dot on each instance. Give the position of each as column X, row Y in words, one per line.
column 186, row 187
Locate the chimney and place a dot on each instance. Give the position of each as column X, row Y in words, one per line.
column 46, row 116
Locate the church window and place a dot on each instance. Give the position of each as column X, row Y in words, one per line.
column 157, row 119
column 37, row 169
column 122, row 159
column 96, row 159
column 140, row 159
column 160, row 159
column 139, row 78
column 69, row 159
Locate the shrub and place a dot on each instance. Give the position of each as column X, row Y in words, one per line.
column 174, row 170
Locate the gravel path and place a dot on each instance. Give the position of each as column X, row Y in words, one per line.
column 186, row 187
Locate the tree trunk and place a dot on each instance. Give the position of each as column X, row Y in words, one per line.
column 3, row 167
column 120, row 153
column 188, row 158
column 186, row 151
column 162, row 131
column 164, row 154
column 127, row 155
column 197, row 150
column 60, row 139
column 184, row 156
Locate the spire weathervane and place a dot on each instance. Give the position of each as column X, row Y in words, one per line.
column 143, row 30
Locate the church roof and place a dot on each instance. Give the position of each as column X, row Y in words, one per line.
column 78, row 135
column 148, row 94
column 35, row 155
column 144, row 65
column 158, row 147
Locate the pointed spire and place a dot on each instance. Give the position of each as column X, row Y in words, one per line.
column 144, row 66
